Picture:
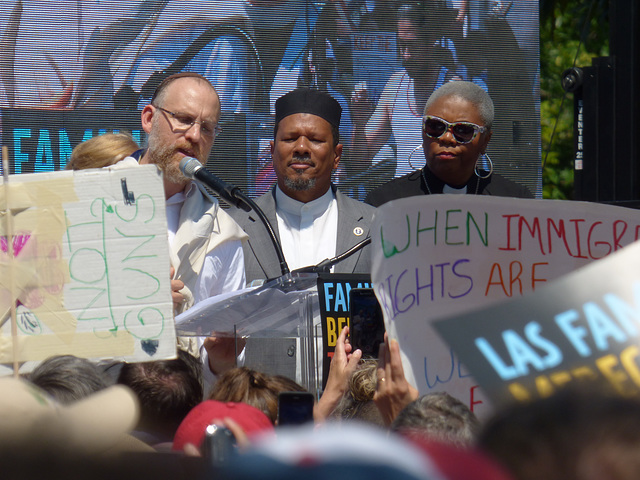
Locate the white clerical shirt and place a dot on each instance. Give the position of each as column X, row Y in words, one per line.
column 308, row 231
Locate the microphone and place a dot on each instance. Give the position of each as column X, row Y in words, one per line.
column 192, row 168
column 327, row 263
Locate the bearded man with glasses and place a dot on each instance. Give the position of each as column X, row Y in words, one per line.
column 456, row 130
column 182, row 121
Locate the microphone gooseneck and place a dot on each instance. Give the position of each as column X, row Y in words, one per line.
column 327, row 263
column 193, row 169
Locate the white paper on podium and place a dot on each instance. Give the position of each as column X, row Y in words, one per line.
column 275, row 309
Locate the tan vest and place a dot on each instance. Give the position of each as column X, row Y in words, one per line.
column 202, row 227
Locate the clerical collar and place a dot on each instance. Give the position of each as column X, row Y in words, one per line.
column 433, row 184
column 314, row 207
column 453, row 190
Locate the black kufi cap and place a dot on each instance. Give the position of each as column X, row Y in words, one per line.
column 309, row 100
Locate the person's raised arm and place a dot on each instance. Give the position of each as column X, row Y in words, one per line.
column 393, row 392
column 343, row 364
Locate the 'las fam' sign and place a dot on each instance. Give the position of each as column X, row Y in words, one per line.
column 585, row 325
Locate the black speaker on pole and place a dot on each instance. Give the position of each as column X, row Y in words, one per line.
column 607, row 115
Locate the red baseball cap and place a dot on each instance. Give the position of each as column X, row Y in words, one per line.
column 192, row 428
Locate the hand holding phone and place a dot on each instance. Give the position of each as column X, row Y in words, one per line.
column 218, row 444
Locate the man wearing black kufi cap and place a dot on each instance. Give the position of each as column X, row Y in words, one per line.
column 313, row 220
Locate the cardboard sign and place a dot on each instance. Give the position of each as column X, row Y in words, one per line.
column 440, row 255
column 333, row 294
column 584, row 325
column 89, row 273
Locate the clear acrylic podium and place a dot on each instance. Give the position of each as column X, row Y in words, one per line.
column 281, row 314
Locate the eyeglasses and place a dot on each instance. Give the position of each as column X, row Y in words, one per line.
column 181, row 122
column 463, row 132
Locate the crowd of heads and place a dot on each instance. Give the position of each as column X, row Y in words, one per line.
column 69, row 409
column 260, row 390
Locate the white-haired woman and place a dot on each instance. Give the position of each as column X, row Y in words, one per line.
column 456, row 129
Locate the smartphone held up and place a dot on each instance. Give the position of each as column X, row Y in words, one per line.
column 295, row 408
column 367, row 329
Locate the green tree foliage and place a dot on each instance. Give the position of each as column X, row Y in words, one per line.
column 571, row 31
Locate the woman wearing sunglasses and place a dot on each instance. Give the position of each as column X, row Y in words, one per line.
column 456, row 130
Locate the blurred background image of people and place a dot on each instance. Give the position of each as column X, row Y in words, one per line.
column 379, row 59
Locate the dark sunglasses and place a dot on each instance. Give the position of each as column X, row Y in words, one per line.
column 463, row 132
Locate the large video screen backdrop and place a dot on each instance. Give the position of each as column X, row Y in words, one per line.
column 70, row 70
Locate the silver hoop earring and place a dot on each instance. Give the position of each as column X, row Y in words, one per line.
column 475, row 169
column 411, row 154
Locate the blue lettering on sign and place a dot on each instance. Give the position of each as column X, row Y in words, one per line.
column 505, row 371
column 44, row 158
column 628, row 316
column 432, row 383
column 602, row 326
column 336, row 296
column 19, row 156
column 328, row 296
column 65, row 147
column 341, row 298
column 574, row 333
column 44, row 153
column 425, row 284
column 593, row 327
column 554, row 355
column 521, row 352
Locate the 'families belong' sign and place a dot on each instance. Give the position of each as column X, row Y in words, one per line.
column 442, row 255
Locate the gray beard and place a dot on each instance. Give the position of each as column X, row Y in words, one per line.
column 162, row 157
column 300, row 184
